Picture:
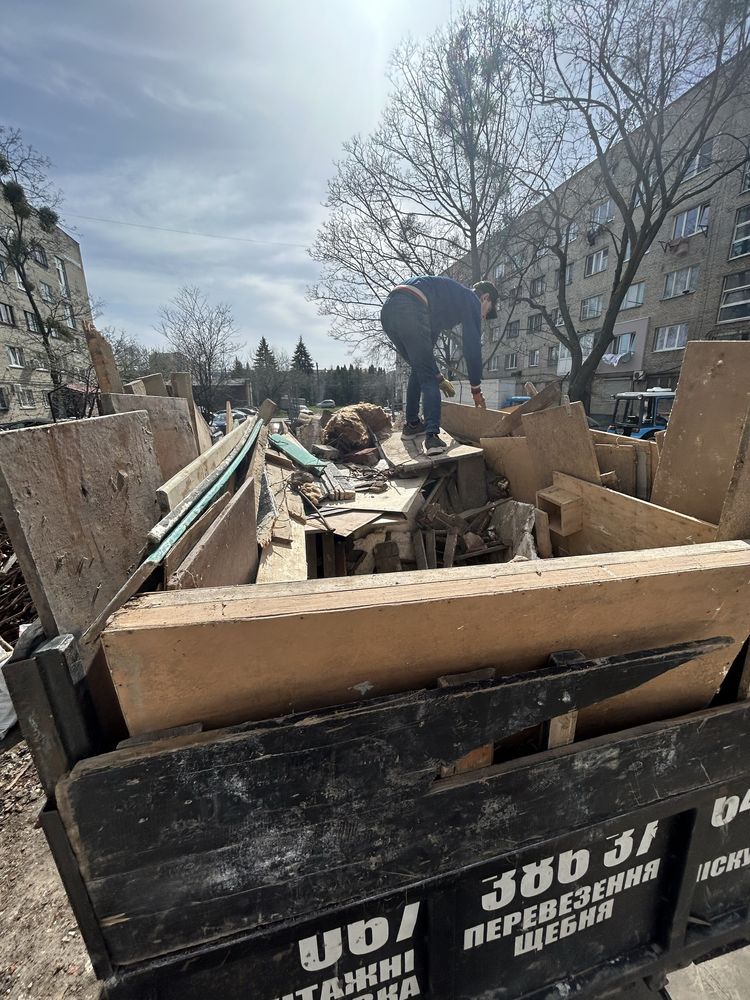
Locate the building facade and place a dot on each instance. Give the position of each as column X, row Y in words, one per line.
column 692, row 284
column 62, row 297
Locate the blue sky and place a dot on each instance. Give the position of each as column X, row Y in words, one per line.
column 222, row 118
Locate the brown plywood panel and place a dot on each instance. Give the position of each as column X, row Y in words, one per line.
column 228, row 552
column 621, row 460
column 510, row 457
column 174, row 440
column 192, row 536
column 311, row 648
column 559, row 441
column 511, row 422
column 613, row 522
column 703, row 436
column 78, row 500
column 468, row 423
column 735, row 514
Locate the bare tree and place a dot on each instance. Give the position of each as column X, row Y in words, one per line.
column 611, row 71
column 30, row 238
column 131, row 357
column 432, row 185
column 205, row 335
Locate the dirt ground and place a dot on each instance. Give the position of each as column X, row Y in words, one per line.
column 42, row 956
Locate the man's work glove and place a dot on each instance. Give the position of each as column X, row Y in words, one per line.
column 479, row 401
column 446, row 387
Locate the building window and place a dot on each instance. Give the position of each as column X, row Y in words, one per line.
column 623, row 343
column 494, row 363
column 3, row 269
column 746, row 178
column 32, row 324
column 6, row 314
column 682, row 281
column 39, row 255
column 42, row 362
column 500, row 270
column 695, row 220
column 16, row 358
column 596, row 262
column 511, row 361
column 541, row 252
column 70, row 319
column 4, row 398
column 534, row 323
column 603, row 212
column 514, row 293
column 534, row 358
column 591, row 307
column 62, row 275
column 557, row 317
column 553, row 354
column 19, row 282
column 741, row 239
column 671, row 338
column 568, row 276
column 572, row 233
column 537, row 285
column 735, row 297
column 514, row 328
column 634, row 295
column 25, row 397
column 701, row 161
column 46, row 292
column 494, row 333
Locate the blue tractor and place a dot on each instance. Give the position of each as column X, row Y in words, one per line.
column 641, row 414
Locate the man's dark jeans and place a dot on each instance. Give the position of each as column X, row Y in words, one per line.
column 406, row 321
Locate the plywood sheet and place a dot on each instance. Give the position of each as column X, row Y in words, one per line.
column 735, row 514
column 705, row 428
column 228, row 552
column 284, row 562
column 193, row 535
column 613, row 522
column 403, row 496
column 78, row 500
column 510, row 457
column 559, row 441
column 511, row 422
column 174, row 440
column 622, row 460
column 286, row 653
column 406, row 454
column 469, row 423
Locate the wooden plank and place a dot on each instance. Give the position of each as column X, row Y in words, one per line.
column 137, row 387
column 154, row 384
column 205, row 441
column 541, row 530
column 468, row 423
column 429, row 548
column 174, row 441
column 735, row 513
column 705, row 429
column 559, row 441
column 560, row 731
column 613, row 522
column 282, row 563
column 228, row 551
column 406, row 454
column 105, row 366
column 449, row 553
column 621, row 460
column 329, row 556
column 280, row 653
column 78, row 499
column 471, row 481
column 509, row 457
column 182, row 387
column 420, row 553
column 229, row 418
column 192, row 475
column 511, row 422
column 192, row 536
column 281, row 530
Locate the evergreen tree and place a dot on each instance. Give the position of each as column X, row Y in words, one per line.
column 238, row 369
column 264, row 359
column 301, row 360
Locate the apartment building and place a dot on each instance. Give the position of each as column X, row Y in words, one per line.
column 62, row 296
column 693, row 284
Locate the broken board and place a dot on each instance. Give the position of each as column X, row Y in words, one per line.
column 192, row 536
column 509, row 457
column 174, row 440
column 705, row 429
column 468, row 423
column 78, row 499
column 622, row 460
column 228, row 552
column 511, row 422
column 613, row 522
column 285, row 649
column 407, row 454
column 282, row 561
column 735, row 514
column 559, row 441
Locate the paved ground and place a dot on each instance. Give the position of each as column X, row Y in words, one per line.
column 41, row 952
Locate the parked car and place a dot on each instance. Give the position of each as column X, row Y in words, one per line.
column 249, row 411
column 305, row 409
column 219, row 421
column 326, row 404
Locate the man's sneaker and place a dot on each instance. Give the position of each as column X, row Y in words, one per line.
column 413, row 430
column 433, row 445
